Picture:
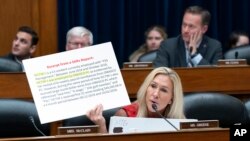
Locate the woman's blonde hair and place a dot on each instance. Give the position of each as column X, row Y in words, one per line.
column 174, row 110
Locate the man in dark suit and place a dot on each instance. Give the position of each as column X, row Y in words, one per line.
column 23, row 45
column 192, row 48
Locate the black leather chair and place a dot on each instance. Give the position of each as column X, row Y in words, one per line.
column 215, row 106
column 9, row 66
column 242, row 52
column 15, row 119
column 247, row 105
column 148, row 57
column 84, row 121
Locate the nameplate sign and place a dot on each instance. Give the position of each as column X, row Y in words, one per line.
column 119, row 124
column 199, row 124
column 78, row 130
column 232, row 62
column 137, row 65
column 71, row 78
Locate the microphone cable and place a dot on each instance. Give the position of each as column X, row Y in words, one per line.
column 34, row 124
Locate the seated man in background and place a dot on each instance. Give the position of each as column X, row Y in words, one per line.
column 78, row 37
column 23, row 45
column 238, row 38
column 192, row 48
column 161, row 91
column 153, row 38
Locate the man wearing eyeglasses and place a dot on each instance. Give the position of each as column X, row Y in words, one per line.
column 78, row 37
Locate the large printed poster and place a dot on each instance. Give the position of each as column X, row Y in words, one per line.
column 70, row 83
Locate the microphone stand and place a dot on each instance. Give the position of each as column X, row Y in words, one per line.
column 154, row 106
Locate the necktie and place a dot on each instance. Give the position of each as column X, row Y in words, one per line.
column 188, row 57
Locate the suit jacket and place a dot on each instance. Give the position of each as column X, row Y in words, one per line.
column 172, row 52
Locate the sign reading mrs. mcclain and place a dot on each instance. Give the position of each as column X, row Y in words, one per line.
column 69, row 83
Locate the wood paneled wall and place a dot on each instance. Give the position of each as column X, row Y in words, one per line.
column 39, row 14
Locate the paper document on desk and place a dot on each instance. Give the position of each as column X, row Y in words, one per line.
column 70, row 83
column 135, row 124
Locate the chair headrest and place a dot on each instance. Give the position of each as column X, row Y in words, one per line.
column 242, row 52
column 208, row 106
column 7, row 65
column 148, row 57
column 15, row 119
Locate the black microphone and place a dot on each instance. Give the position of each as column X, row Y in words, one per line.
column 236, row 55
column 154, row 106
column 34, row 124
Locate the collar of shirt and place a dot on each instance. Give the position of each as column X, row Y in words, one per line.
column 19, row 62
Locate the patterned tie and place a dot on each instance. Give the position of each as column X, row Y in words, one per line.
column 188, row 59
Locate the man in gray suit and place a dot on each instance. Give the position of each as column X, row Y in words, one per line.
column 192, row 48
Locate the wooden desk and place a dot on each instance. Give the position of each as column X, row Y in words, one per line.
column 14, row 85
column 229, row 80
column 190, row 135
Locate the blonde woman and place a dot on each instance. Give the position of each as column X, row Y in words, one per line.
column 162, row 87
